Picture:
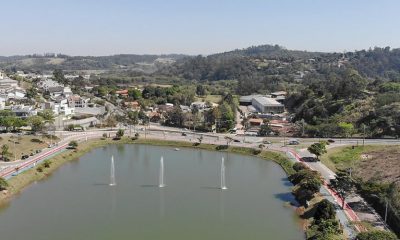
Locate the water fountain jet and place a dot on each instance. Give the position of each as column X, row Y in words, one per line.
column 161, row 176
column 112, row 174
column 223, row 181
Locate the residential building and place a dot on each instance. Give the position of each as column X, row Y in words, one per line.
column 132, row 105
column 77, row 101
column 123, row 92
column 23, row 111
column 67, row 92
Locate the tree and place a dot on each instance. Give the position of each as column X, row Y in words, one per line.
column 111, row 121
column 3, row 184
column 133, row 117
column 47, row 115
column 298, row 166
column 200, row 90
column 73, row 144
column 305, row 173
column 31, row 93
column 120, row 133
column 317, row 148
column 346, row 129
column 325, row 210
column 309, row 187
column 175, row 117
column 343, row 184
column 264, row 130
column 5, row 152
column 59, row 76
column 134, row 94
column 327, row 228
column 376, row 235
column 36, row 123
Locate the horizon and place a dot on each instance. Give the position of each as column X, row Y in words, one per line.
column 103, row 28
column 191, row 55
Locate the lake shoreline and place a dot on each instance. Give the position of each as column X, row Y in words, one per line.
column 23, row 180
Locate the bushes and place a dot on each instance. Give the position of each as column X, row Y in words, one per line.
column 3, row 184
column 39, row 169
column 221, row 147
column 73, row 144
column 325, row 210
column 35, row 140
column 256, row 151
column 47, row 163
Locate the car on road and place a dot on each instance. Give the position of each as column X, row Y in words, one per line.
column 267, row 142
column 184, row 134
column 331, row 141
column 293, row 142
column 236, row 140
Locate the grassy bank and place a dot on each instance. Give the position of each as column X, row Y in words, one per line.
column 17, row 183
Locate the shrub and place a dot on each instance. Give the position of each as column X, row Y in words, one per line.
column 256, row 151
column 120, row 133
column 47, row 163
column 3, row 184
column 299, row 166
column 39, row 169
column 221, row 147
column 35, row 140
column 105, row 135
column 73, row 144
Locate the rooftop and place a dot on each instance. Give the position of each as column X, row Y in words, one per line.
column 267, row 101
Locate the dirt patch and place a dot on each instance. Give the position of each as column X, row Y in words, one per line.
column 381, row 164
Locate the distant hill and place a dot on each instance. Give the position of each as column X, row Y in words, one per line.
column 122, row 61
column 268, row 51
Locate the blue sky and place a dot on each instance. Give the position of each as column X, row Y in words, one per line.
column 103, row 27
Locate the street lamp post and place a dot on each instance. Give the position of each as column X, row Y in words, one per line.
column 15, row 152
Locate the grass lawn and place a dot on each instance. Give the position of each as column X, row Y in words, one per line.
column 23, row 144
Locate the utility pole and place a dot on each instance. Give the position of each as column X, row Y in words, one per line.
column 363, row 135
column 15, row 152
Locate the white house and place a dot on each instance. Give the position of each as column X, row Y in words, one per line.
column 67, row 91
column 78, row 101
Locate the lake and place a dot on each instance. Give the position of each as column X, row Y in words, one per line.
column 76, row 201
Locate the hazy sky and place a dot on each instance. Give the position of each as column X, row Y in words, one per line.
column 103, row 27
